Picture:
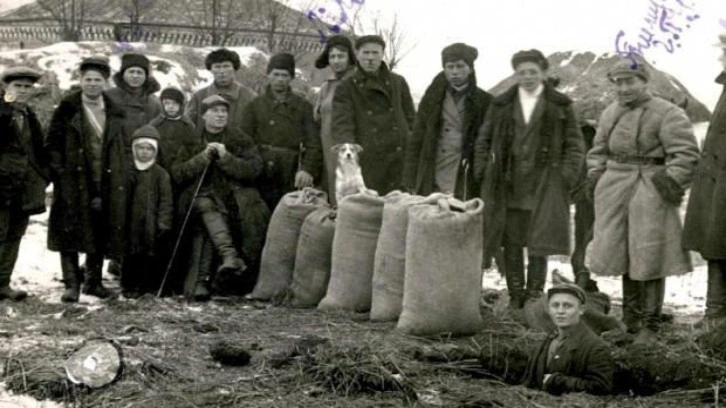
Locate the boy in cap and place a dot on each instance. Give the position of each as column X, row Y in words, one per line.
column 23, row 171
column 227, row 204
column 175, row 129
column 572, row 359
column 85, row 144
column 149, row 216
column 374, row 109
column 643, row 158
column 223, row 64
column 440, row 151
column 281, row 123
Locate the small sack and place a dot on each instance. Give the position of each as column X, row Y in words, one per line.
column 354, row 248
column 390, row 260
column 442, row 286
column 278, row 255
column 313, row 258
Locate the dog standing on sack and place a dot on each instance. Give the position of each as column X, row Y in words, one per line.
column 348, row 174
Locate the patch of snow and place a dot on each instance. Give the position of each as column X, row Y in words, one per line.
column 9, row 400
column 568, row 59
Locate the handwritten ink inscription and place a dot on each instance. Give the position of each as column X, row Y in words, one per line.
column 333, row 21
column 665, row 23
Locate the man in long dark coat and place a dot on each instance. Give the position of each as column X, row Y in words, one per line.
column 440, row 151
column 23, row 171
column 88, row 168
column 228, row 205
column 529, row 154
column 281, row 123
column 374, row 109
column 704, row 229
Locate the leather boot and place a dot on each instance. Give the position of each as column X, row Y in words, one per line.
column 582, row 279
column 71, row 277
column 201, row 287
column 93, row 284
column 514, row 274
column 631, row 304
column 8, row 255
column 222, row 240
column 652, row 303
column 536, row 276
column 716, row 289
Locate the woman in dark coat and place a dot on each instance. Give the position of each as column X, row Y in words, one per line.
column 443, row 136
column 88, row 170
column 528, row 153
column 704, row 229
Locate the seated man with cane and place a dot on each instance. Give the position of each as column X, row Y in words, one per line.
column 213, row 177
column 573, row 358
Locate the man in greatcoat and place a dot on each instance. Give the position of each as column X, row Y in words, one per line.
column 528, row 155
column 88, row 168
column 704, row 229
column 374, row 108
column 23, row 170
column 439, row 154
column 223, row 64
column 226, row 164
column 281, row 123
column 643, row 159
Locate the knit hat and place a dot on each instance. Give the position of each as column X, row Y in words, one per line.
column 629, row 67
column 11, row 74
column 569, row 288
column 96, row 63
column 377, row 39
column 335, row 41
column 213, row 100
column 284, row 61
column 222, row 55
column 459, row 51
column 532, row 55
column 172, row 93
column 145, row 134
column 135, row 60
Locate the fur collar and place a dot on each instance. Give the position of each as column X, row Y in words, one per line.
column 549, row 93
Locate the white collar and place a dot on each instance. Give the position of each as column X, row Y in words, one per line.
column 523, row 94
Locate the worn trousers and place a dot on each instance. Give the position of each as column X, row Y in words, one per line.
column 13, row 224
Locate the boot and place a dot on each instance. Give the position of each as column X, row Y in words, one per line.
column 715, row 291
column 8, row 255
column 92, row 284
column 514, row 274
column 652, row 303
column 631, row 304
column 71, row 277
column 201, row 287
column 582, row 279
column 222, row 240
column 536, row 276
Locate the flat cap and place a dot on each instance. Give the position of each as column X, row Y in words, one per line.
column 628, row 67
column 376, row 39
column 459, row 51
column 569, row 288
column 98, row 63
column 213, row 100
column 532, row 55
column 11, row 74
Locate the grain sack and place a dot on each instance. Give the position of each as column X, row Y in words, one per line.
column 443, row 268
column 278, row 255
column 313, row 259
column 354, row 248
column 389, row 267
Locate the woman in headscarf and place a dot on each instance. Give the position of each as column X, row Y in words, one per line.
column 340, row 57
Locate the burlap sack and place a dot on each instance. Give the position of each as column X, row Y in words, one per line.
column 442, row 286
column 278, row 255
column 313, row 259
column 390, row 265
column 354, row 248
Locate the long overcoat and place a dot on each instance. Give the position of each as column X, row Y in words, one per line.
column 71, row 225
column 420, row 158
column 376, row 112
column 559, row 155
column 636, row 231
column 704, row 229
column 140, row 107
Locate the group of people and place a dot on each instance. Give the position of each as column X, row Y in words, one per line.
column 133, row 173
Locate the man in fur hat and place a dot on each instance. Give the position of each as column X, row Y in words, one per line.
column 440, row 151
column 281, row 123
column 223, row 64
column 23, row 172
column 374, row 109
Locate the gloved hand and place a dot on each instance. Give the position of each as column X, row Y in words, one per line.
column 669, row 189
column 97, row 204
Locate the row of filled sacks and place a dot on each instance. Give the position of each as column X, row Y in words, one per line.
column 409, row 258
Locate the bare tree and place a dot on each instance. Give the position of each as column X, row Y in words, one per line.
column 135, row 9
column 217, row 18
column 394, row 34
column 70, row 14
